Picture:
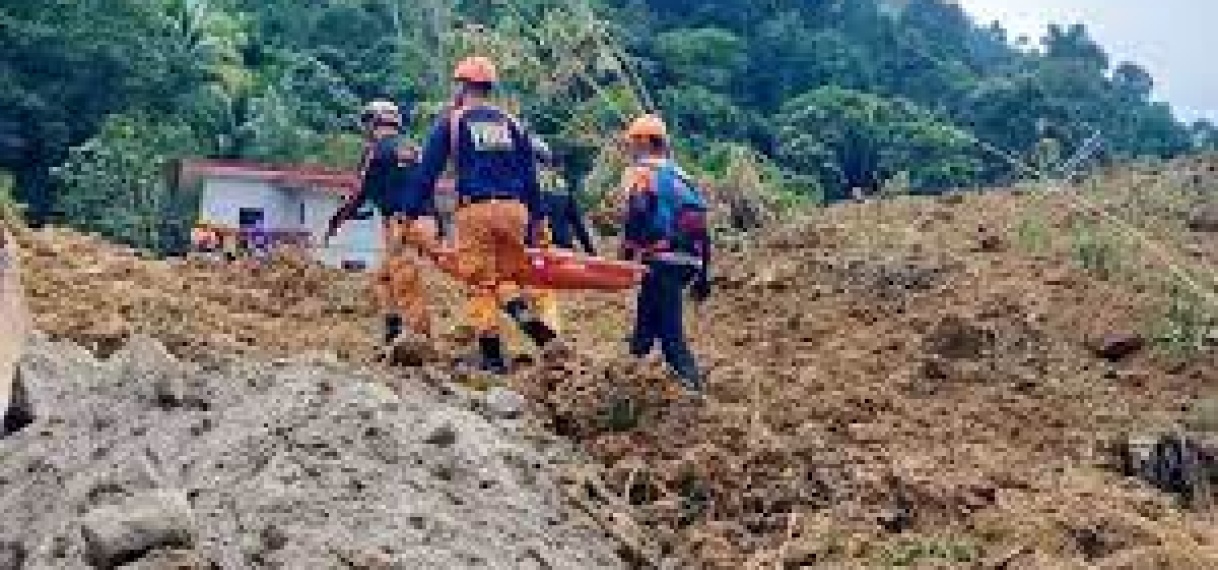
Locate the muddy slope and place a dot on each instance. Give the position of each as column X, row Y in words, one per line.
column 144, row 460
column 901, row 383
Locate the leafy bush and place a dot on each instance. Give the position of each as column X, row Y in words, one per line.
column 1096, row 249
column 115, row 184
column 1032, row 234
column 1185, row 325
column 10, row 210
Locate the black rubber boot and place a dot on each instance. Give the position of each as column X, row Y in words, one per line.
column 393, row 328
column 402, row 347
column 491, row 359
column 530, row 324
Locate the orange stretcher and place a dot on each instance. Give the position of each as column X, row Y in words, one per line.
column 548, row 268
column 569, row 271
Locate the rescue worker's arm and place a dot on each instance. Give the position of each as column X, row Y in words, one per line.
column 531, row 193
column 435, row 158
column 576, row 217
column 352, row 205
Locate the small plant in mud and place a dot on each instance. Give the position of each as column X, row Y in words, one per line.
column 10, row 210
column 1096, row 249
column 1203, row 416
column 621, row 415
column 915, row 552
column 695, row 497
column 1186, row 322
column 899, row 185
column 1032, row 234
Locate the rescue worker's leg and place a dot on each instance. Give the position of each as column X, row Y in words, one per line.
column 476, row 251
column 511, row 266
column 548, row 309
column 669, row 324
column 483, row 312
column 646, row 330
column 400, row 294
column 546, row 300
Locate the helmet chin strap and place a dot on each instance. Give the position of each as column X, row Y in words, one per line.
column 372, row 127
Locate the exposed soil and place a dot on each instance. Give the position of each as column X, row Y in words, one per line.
column 910, row 383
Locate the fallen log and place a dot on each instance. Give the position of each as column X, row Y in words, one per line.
column 13, row 325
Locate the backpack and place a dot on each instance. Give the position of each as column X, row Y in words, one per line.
column 681, row 212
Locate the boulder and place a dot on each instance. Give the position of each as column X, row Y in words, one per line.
column 501, row 403
column 12, row 556
column 1176, row 463
column 120, row 534
column 988, row 241
column 442, row 435
column 1116, row 346
column 956, row 338
column 1204, row 219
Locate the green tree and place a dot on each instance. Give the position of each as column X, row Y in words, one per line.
column 851, row 140
column 710, row 57
column 115, row 183
column 66, row 66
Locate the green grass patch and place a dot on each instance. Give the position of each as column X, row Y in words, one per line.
column 912, row 552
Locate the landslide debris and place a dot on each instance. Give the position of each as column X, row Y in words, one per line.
column 890, row 385
column 293, row 463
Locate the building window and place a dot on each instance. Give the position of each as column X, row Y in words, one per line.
column 302, row 214
column 250, row 217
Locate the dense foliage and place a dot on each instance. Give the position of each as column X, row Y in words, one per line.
column 834, row 94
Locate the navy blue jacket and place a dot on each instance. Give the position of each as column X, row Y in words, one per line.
column 389, row 179
column 566, row 221
column 494, row 158
column 390, row 166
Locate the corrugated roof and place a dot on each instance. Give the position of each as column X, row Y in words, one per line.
column 318, row 178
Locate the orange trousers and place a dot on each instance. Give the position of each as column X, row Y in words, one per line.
column 491, row 257
column 546, row 300
column 398, row 282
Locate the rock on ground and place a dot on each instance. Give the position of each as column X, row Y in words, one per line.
column 125, row 532
column 255, row 465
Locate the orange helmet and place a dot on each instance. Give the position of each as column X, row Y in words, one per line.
column 476, row 69
column 647, row 126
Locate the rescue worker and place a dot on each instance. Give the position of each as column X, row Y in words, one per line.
column 205, row 240
column 389, row 165
column 564, row 224
column 664, row 234
column 498, row 208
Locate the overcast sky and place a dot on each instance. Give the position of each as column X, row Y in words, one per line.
column 1175, row 39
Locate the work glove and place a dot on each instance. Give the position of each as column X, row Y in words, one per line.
column 701, row 289
column 332, row 230
column 531, row 231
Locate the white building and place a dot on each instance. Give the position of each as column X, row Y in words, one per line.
column 292, row 205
